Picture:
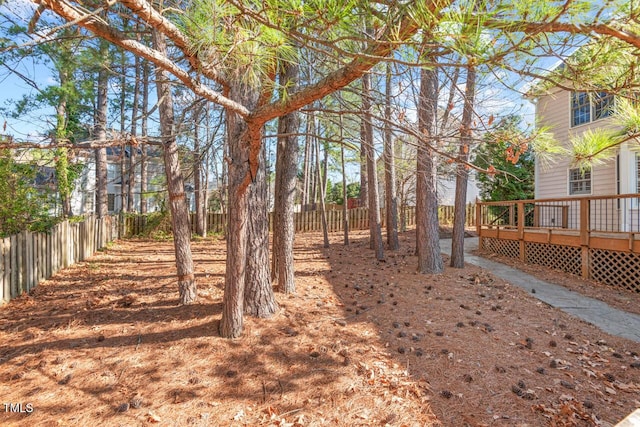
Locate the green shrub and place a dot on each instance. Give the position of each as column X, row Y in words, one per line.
column 22, row 205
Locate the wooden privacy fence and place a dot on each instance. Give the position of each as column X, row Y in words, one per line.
column 312, row 220
column 596, row 237
column 28, row 258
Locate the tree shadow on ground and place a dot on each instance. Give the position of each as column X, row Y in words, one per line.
column 95, row 336
column 361, row 343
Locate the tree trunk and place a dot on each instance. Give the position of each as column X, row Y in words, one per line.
column 313, row 173
column 62, row 154
column 62, row 176
column 197, row 176
column 131, row 205
column 123, row 157
column 205, row 190
column 375, row 229
column 323, row 211
column 240, row 138
column 259, row 299
column 325, row 164
column 345, row 200
column 285, row 191
column 131, row 186
column 144, row 129
column 144, row 158
column 224, row 190
column 307, row 168
column 205, row 184
column 403, row 210
column 462, row 177
column 175, row 183
column 427, row 227
column 101, row 133
column 364, row 182
column 391, row 199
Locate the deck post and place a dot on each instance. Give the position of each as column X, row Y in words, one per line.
column 479, row 222
column 521, row 230
column 584, row 236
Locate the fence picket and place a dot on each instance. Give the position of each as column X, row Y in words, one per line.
column 29, row 261
column 43, row 256
column 20, row 262
column 54, row 250
column 34, row 261
column 3, row 290
column 26, row 279
column 6, row 247
column 58, row 248
column 14, row 264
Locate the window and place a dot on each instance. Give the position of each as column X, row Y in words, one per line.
column 587, row 107
column 579, row 181
column 111, row 202
column 111, row 172
column 602, row 105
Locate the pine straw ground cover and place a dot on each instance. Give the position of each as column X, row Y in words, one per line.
column 361, row 343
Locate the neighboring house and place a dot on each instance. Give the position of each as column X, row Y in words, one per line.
column 84, row 193
column 406, row 182
column 447, row 189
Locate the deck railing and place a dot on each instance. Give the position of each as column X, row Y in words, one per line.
column 595, row 236
column 607, row 214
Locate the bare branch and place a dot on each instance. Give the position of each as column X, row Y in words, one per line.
column 114, row 142
column 564, row 27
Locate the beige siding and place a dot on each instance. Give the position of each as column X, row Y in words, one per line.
column 554, row 111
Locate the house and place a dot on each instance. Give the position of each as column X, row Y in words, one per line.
column 83, row 195
column 584, row 221
column 569, row 114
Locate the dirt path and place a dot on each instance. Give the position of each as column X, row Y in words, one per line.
column 361, row 343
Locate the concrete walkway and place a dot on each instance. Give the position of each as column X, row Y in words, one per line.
column 609, row 319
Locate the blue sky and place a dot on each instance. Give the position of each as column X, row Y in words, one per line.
column 493, row 99
column 14, row 88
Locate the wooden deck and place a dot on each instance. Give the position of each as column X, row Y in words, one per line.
column 591, row 236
